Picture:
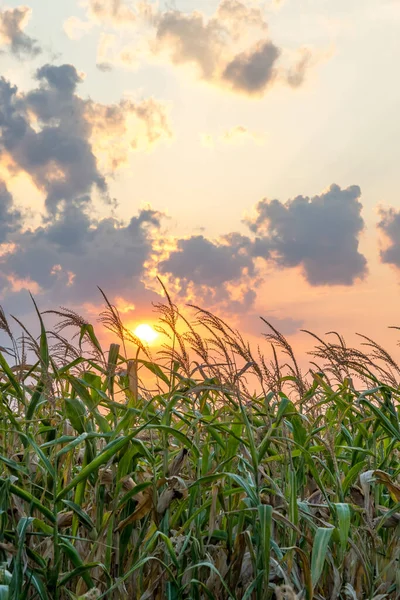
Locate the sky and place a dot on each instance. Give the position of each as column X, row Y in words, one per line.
column 245, row 152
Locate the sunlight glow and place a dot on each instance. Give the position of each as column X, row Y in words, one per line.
column 145, row 333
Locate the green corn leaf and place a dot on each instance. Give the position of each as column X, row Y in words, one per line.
column 319, row 552
column 37, row 582
column 17, row 579
column 33, row 501
column 155, row 369
column 351, row 476
column 343, row 516
column 76, row 413
column 386, row 424
column 35, row 400
column 40, row 453
column 108, row 453
column 80, row 571
column 176, row 433
column 76, row 560
column 12, row 379
column 4, row 592
column 82, row 515
column 265, row 516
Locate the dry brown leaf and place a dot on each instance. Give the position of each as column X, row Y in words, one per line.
column 213, row 582
column 178, row 463
column 213, row 508
column 144, row 506
column 385, row 479
column 92, row 594
column 391, row 521
column 165, row 499
column 106, row 476
column 80, row 456
column 176, row 489
column 246, row 572
column 64, row 519
column 6, row 547
column 285, row 592
column 237, row 559
column 356, row 496
column 316, row 498
column 127, row 483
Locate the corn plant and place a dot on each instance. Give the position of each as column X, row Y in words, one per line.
column 124, row 475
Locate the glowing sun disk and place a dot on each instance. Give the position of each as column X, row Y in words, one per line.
column 145, row 333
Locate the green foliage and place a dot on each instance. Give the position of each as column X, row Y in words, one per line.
column 124, row 476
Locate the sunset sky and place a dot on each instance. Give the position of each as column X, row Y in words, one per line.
column 247, row 152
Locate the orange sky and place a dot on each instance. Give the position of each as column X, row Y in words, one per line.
column 245, row 151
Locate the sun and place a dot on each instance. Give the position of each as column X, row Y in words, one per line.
column 145, row 333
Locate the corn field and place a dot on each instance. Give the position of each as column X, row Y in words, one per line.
column 128, row 476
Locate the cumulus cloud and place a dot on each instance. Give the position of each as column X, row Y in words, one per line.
column 207, row 262
column 253, row 70
column 188, row 38
column 66, row 144
column 389, row 224
column 119, row 129
column 320, row 234
column 54, row 135
column 71, row 255
column 230, row 49
column 214, row 273
column 55, row 150
column 212, row 45
column 12, row 24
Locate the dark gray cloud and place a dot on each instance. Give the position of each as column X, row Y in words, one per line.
column 55, row 136
column 390, row 225
column 58, row 156
column 205, row 262
column 321, row 234
column 215, row 273
column 253, row 70
column 12, row 24
column 63, row 78
column 219, row 274
column 61, row 140
column 73, row 254
column 10, row 217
